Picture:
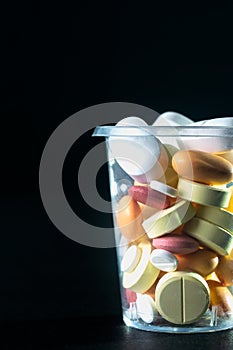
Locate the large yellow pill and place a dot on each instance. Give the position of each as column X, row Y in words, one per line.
column 182, row 297
column 129, row 218
column 224, row 270
column 202, row 167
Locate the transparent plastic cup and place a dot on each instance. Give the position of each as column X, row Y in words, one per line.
column 173, row 231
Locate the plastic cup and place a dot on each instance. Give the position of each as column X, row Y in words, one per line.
column 173, row 232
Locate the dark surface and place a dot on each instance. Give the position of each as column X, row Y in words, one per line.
column 56, row 61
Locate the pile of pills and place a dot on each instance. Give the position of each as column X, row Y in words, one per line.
column 176, row 222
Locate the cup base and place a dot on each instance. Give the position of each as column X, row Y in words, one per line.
column 204, row 325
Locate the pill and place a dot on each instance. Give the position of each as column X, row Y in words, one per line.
column 203, row 194
column 147, row 211
column 169, row 219
column 131, row 296
column 221, row 297
column 228, row 155
column 171, row 118
column 210, row 235
column 224, row 270
column 129, row 218
column 144, row 275
column 170, row 177
column 151, row 290
column 202, row 167
column 142, row 157
column 149, row 196
column 218, row 141
column 163, row 188
column 182, row 297
column 217, row 216
column 163, row 260
column 130, row 259
column 230, row 204
column 202, row 261
column 176, row 243
column 146, row 309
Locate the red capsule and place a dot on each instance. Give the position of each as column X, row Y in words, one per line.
column 150, row 197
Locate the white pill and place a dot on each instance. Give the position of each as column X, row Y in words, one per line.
column 163, row 260
column 146, row 309
column 209, row 144
column 142, row 157
column 171, row 119
column 163, row 188
column 130, row 259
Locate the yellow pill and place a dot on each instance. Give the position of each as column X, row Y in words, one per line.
column 224, row 270
column 129, row 218
column 202, row 261
column 182, row 297
column 202, row 167
column 145, row 274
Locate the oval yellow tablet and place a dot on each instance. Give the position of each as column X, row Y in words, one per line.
column 182, row 297
column 202, row 167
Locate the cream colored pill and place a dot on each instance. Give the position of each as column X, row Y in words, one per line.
column 203, row 194
column 182, row 297
column 144, row 275
column 146, row 309
column 163, row 260
column 202, row 167
column 163, row 188
column 217, row 216
column 130, row 259
column 210, row 235
column 169, row 219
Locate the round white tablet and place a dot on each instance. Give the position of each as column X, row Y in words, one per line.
column 146, row 309
column 130, row 259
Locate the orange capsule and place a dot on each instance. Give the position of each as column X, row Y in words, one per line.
column 129, row 218
column 202, row 167
column 221, row 297
column 202, row 261
column 224, row 270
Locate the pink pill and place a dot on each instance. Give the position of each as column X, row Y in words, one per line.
column 150, row 197
column 176, row 243
column 130, row 296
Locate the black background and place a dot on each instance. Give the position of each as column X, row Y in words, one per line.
column 55, row 61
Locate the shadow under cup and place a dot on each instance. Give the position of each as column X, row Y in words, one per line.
column 173, row 231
